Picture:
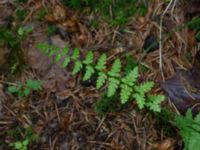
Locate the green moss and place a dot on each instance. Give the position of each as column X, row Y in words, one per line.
column 116, row 12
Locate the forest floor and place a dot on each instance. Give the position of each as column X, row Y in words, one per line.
column 63, row 113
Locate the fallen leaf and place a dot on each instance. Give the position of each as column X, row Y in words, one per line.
column 167, row 144
column 183, row 89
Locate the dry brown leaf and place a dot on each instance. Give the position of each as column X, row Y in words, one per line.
column 167, row 144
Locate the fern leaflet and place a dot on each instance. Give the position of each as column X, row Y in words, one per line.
column 101, row 80
column 58, row 57
column 101, row 64
column 44, row 47
column 154, row 102
column 113, row 84
column 140, row 99
column 89, row 72
column 65, row 51
column 125, row 93
column 77, row 67
column 145, row 87
column 75, row 54
column 89, row 58
column 66, row 61
column 131, row 77
column 116, row 68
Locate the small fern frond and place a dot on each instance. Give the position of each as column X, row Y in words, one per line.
column 77, row 67
column 76, row 54
column 113, row 84
column 89, row 58
column 154, row 102
column 66, row 62
column 145, row 87
column 140, row 99
column 125, row 93
column 89, row 72
column 116, row 68
column 101, row 64
column 101, row 80
column 131, row 77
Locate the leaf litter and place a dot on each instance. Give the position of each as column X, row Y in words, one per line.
column 62, row 114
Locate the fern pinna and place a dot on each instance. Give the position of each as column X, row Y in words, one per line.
column 127, row 85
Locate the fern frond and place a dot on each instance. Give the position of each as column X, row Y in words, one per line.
column 140, row 99
column 131, row 77
column 125, row 93
column 66, row 61
column 76, row 54
column 145, row 87
column 101, row 80
column 101, row 64
column 89, row 58
column 89, row 72
column 116, row 68
column 113, row 84
column 154, row 102
column 77, row 67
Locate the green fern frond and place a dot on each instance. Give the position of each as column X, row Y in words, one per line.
column 77, row 67
column 154, row 102
column 131, row 77
column 145, row 87
column 89, row 72
column 140, row 99
column 189, row 130
column 101, row 64
column 116, row 68
column 113, row 84
column 76, row 54
column 125, row 93
column 89, row 58
column 66, row 61
column 101, row 80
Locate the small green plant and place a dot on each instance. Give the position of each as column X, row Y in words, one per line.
column 21, row 14
column 194, row 24
column 28, row 136
column 189, row 130
column 20, row 145
column 41, row 14
column 22, row 32
column 116, row 81
column 24, row 90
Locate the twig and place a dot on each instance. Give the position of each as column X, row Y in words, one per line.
column 160, row 41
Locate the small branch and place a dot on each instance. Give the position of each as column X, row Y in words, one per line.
column 160, row 41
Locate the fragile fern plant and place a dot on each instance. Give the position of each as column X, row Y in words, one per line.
column 127, row 85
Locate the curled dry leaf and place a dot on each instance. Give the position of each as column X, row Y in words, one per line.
column 59, row 13
column 183, row 89
column 63, row 19
column 167, row 144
